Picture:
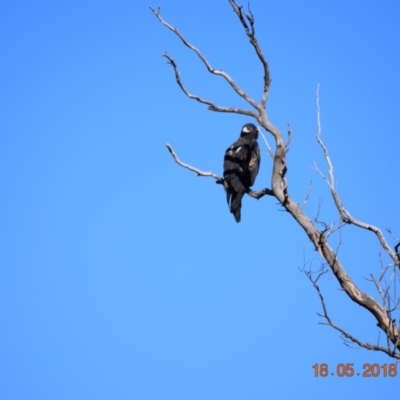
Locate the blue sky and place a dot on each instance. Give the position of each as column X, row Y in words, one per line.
column 124, row 276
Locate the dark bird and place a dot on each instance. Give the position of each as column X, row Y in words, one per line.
column 241, row 165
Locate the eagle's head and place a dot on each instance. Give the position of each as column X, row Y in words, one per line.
column 249, row 130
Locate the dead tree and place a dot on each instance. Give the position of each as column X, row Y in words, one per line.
column 383, row 310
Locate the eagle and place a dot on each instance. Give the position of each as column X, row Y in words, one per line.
column 241, row 165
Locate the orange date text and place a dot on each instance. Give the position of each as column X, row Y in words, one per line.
column 347, row 370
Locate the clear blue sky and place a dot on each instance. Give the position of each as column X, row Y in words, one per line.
column 122, row 275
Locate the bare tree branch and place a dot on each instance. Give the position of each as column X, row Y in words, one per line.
column 351, row 220
column 212, row 106
column 344, row 214
column 247, row 20
column 345, row 334
column 261, row 193
column 210, row 69
column 190, row 168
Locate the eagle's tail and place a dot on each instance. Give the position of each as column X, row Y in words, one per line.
column 236, row 204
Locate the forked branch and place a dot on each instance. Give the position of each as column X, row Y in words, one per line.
column 247, row 20
column 344, row 213
column 206, row 63
column 211, row 105
column 389, row 350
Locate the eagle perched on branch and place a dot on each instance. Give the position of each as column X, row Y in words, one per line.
column 241, row 165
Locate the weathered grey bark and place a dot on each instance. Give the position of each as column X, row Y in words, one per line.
column 279, row 188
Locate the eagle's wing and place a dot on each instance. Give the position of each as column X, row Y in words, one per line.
column 254, row 162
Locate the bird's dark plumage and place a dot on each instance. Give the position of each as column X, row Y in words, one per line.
column 241, row 165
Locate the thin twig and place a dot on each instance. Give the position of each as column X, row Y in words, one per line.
column 307, row 195
column 193, row 169
column 270, row 152
column 290, row 136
